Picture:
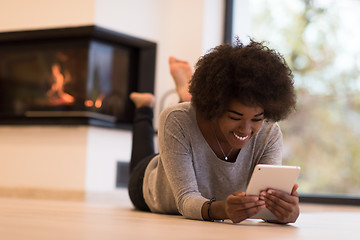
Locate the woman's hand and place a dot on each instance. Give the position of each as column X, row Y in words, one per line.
column 239, row 207
column 284, row 206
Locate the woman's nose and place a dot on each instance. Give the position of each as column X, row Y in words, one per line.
column 245, row 127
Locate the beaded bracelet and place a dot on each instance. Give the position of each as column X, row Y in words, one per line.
column 208, row 210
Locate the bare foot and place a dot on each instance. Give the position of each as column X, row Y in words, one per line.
column 142, row 99
column 181, row 72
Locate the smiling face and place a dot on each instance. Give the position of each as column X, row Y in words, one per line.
column 239, row 124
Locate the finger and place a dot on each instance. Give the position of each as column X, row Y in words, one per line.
column 248, row 209
column 281, row 199
column 291, row 199
column 276, row 209
column 283, row 194
column 294, row 190
column 239, row 194
column 243, row 206
column 282, row 215
column 241, row 199
column 239, row 216
column 262, row 195
column 282, row 209
column 252, row 211
column 276, row 203
column 250, row 205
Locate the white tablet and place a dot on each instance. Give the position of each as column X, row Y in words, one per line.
column 271, row 176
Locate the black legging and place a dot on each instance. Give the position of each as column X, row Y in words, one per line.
column 141, row 154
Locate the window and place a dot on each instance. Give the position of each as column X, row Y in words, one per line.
column 320, row 41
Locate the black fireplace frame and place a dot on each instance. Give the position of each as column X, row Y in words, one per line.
column 144, row 58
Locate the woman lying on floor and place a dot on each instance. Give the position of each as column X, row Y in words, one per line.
column 211, row 141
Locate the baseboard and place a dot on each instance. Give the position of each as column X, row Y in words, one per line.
column 47, row 194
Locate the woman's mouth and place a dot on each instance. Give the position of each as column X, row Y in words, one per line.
column 240, row 138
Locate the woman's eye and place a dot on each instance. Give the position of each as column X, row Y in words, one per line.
column 234, row 118
column 254, row 120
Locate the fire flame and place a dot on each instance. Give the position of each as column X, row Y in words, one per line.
column 98, row 102
column 56, row 94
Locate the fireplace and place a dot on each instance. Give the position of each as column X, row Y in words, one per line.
column 80, row 75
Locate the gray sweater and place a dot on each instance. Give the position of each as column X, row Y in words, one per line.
column 187, row 173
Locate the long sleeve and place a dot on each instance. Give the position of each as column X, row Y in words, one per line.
column 177, row 158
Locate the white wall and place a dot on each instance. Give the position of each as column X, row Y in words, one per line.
column 183, row 28
column 43, row 157
column 105, row 147
column 35, row 14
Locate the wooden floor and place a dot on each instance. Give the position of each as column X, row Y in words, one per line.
column 112, row 217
